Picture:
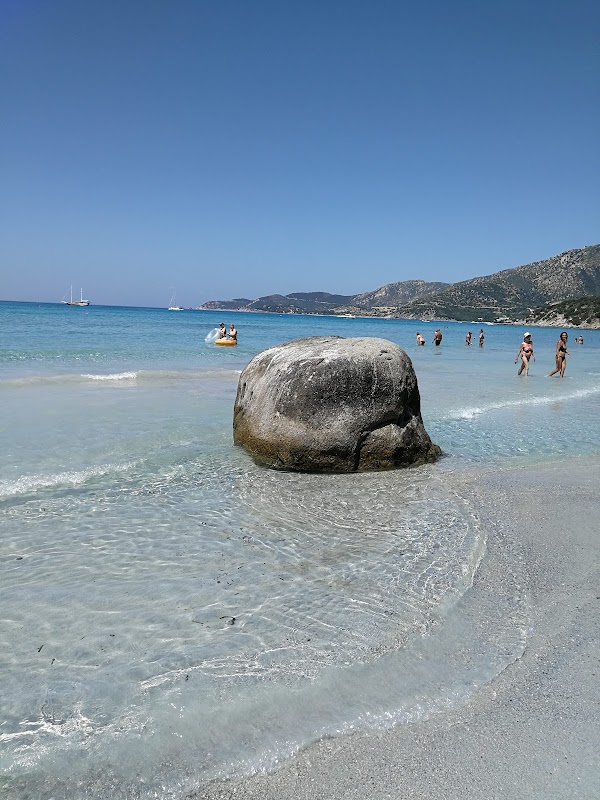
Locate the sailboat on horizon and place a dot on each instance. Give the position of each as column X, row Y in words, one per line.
column 172, row 306
column 80, row 302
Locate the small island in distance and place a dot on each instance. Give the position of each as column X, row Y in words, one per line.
column 562, row 291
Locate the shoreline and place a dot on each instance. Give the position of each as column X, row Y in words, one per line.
column 531, row 732
column 513, row 323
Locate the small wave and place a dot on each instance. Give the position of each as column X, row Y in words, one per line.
column 116, row 376
column 77, row 723
column 64, row 379
column 475, row 411
column 137, row 376
column 33, row 483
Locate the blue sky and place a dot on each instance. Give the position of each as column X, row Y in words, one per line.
column 235, row 149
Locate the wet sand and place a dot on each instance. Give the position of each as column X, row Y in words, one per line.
column 533, row 732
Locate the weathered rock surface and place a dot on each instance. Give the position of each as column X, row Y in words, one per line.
column 329, row 404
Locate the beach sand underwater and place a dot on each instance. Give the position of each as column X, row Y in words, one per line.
column 532, row 732
column 178, row 622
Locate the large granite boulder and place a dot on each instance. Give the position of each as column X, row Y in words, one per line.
column 329, row 404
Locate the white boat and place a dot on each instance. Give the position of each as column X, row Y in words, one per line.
column 172, row 306
column 80, row 302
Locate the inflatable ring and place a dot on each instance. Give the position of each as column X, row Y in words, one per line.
column 226, row 342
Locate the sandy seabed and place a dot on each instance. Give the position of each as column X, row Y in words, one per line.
column 534, row 731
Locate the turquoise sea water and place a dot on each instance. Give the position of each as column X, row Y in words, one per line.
column 173, row 613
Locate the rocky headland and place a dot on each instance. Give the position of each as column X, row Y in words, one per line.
column 559, row 291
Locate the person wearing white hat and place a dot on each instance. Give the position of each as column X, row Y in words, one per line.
column 525, row 354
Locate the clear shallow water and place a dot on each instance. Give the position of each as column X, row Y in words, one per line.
column 173, row 613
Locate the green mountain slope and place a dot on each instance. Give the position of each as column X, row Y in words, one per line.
column 583, row 312
column 514, row 293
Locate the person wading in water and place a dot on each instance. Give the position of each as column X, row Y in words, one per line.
column 561, row 355
column 525, row 353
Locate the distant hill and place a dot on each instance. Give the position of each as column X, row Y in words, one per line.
column 300, row 303
column 511, row 295
column 234, row 305
column 295, row 303
column 397, row 294
column 381, row 300
column 583, row 312
column 320, row 298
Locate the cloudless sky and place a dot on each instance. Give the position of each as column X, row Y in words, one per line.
column 237, row 148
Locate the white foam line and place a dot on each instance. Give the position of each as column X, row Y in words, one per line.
column 32, row 483
column 469, row 413
column 117, row 376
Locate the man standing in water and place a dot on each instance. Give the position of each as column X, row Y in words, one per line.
column 481, row 337
column 437, row 338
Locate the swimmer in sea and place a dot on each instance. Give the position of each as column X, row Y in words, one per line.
column 481, row 337
column 525, row 354
column 561, row 355
column 437, row 338
column 420, row 339
column 468, row 339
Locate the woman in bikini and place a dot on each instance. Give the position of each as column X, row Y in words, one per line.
column 561, row 355
column 525, row 353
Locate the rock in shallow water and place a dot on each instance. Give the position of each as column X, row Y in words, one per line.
column 329, row 404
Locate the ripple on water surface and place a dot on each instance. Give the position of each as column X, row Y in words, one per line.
column 200, row 620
